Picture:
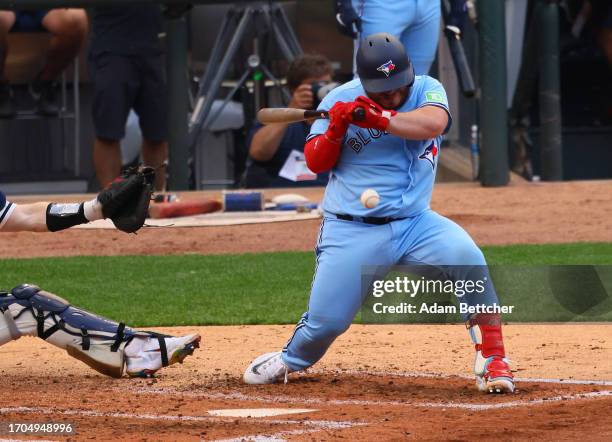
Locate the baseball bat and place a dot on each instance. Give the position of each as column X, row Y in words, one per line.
column 290, row 115
column 455, row 44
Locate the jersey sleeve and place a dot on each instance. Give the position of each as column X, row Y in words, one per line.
column 6, row 207
column 433, row 94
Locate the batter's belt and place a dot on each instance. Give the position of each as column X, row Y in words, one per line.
column 368, row 219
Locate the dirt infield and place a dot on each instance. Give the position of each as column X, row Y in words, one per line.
column 378, row 382
column 518, row 214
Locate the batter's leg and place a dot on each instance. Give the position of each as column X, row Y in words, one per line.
column 432, row 240
column 393, row 17
column 421, row 38
column 336, row 296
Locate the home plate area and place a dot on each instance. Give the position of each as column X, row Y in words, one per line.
column 313, row 406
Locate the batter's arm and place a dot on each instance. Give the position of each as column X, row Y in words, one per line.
column 423, row 123
column 321, row 153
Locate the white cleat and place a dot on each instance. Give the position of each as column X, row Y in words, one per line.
column 498, row 385
column 493, row 374
column 144, row 355
column 268, row 368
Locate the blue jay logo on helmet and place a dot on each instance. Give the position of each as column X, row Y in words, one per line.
column 386, row 68
column 383, row 64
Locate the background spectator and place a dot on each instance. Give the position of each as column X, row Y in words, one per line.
column 269, row 146
column 69, row 29
column 128, row 73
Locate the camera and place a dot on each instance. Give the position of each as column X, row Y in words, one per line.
column 320, row 89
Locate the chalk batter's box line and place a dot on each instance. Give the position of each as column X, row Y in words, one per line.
column 284, row 399
column 237, row 396
column 289, row 399
column 316, row 425
column 416, row 374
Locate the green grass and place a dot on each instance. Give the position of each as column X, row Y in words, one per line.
column 175, row 290
column 268, row 288
column 553, row 254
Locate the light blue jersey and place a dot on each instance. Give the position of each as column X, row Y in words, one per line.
column 401, row 171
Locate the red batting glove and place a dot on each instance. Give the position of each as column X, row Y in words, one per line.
column 375, row 116
column 338, row 122
column 322, row 152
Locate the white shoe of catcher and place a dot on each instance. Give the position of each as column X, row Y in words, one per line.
column 268, row 368
column 144, row 357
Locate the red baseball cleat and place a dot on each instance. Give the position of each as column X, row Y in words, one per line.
column 493, row 374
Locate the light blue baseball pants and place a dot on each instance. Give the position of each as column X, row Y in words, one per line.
column 416, row 23
column 344, row 247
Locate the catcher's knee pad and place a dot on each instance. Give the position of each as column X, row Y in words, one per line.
column 97, row 341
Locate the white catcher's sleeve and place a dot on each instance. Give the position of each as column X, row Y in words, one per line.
column 6, row 208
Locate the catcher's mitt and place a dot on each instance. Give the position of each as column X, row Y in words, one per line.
column 126, row 200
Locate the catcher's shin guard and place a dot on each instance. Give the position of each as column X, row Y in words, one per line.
column 8, row 328
column 99, row 342
column 491, row 367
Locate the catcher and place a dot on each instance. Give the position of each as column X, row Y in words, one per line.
column 106, row 346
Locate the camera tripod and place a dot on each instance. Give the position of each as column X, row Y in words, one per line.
column 264, row 18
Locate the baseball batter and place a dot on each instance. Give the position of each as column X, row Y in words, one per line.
column 394, row 151
column 107, row 346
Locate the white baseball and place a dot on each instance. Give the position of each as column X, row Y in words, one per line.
column 370, row 198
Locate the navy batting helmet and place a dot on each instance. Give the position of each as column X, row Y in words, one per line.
column 383, row 64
